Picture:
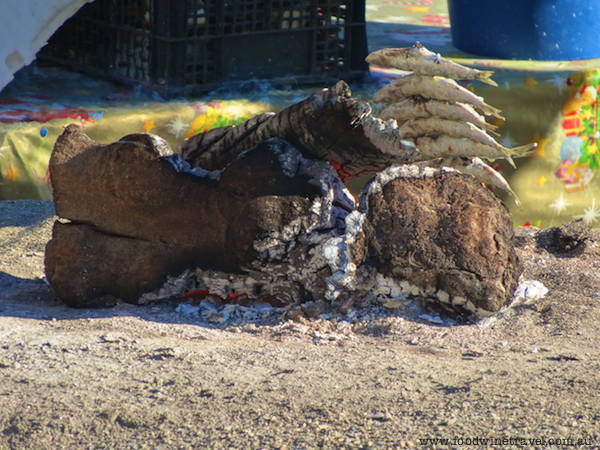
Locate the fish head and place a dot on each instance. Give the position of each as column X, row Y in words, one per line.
column 379, row 58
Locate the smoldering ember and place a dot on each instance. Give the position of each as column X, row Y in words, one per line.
column 255, row 213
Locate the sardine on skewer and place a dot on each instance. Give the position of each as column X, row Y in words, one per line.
column 446, row 146
column 438, row 88
column 488, row 175
column 433, row 125
column 476, row 168
column 419, row 60
column 421, row 108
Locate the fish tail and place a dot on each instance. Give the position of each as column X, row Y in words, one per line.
column 515, row 197
column 484, row 77
column 489, row 110
column 506, row 187
column 495, row 112
column 524, row 150
column 501, row 183
column 510, row 161
column 487, row 175
column 518, row 152
column 497, row 179
column 490, row 128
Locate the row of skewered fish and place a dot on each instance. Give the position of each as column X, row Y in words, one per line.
column 445, row 120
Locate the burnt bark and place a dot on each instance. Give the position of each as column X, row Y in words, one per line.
column 328, row 126
column 132, row 189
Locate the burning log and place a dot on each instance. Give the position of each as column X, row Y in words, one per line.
column 328, row 126
column 436, row 235
column 136, row 213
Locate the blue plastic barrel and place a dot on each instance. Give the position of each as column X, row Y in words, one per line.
column 553, row 30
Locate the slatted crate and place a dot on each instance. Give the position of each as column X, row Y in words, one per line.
column 180, row 47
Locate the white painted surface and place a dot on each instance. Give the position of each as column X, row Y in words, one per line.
column 25, row 27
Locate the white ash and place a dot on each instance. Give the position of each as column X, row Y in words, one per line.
column 188, row 310
column 173, row 287
column 255, row 285
column 431, row 319
column 291, row 160
column 387, row 298
column 375, row 288
column 527, row 292
column 390, row 299
column 178, row 163
column 328, row 327
column 339, row 254
column 530, row 291
column 376, row 184
column 202, row 173
column 160, row 145
column 183, row 166
column 302, row 251
column 231, row 314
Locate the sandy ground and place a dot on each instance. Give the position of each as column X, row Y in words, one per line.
column 150, row 378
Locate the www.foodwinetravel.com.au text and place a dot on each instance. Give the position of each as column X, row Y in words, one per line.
column 543, row 441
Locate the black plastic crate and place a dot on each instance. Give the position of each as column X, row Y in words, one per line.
column 191, row 46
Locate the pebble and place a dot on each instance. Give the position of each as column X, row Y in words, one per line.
column 313, row 310
column 431, row 319
column 297, row 315
column 569, row 357
column 381, row 416
column 327, row 336
column 395, row 303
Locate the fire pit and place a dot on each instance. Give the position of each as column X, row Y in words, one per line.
column 265, row 219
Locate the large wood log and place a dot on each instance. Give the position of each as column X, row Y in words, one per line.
column 439, row 236
column 136, row 213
